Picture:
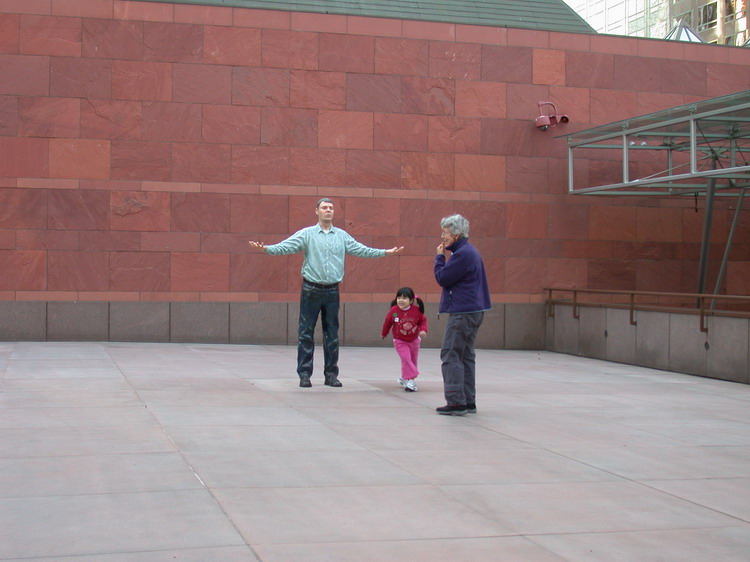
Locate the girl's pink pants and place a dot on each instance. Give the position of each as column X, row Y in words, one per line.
column 408, row 351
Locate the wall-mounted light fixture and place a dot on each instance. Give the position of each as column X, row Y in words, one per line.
column 548, row 116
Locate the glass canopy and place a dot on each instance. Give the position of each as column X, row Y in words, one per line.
column 678, row 151
column 683, row 32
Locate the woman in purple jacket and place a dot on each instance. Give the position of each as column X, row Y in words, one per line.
column 459, row 270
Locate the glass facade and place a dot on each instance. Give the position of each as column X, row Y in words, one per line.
column 724, row 22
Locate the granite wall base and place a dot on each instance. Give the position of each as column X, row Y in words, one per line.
column 506, row 326
column 659, row 340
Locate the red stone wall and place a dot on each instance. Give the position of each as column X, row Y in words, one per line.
column 143, row 144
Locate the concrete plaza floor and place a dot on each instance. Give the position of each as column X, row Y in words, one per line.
column 135, row 452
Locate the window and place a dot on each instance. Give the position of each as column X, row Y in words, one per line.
column 729, row 10
column 707, row 16
column 686, row 18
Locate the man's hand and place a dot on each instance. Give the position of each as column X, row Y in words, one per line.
column 395, row 250
column 259, row 245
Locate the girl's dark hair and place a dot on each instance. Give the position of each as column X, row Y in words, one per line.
column 408, row 292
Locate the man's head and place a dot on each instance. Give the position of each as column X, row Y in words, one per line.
column 454, row 227
column 324, row 210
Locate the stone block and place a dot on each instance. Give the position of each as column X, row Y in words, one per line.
column 459, row 61
column 139, row 321
column 364, row 321
column 620, row 336
column 507, row 64
column 373, row 92
column 652, row 339
column 480, row 99
column 23, row 321
column 346, row 53
column 78, row 321
column 22, row 270
column 549, row 67
column 476, row 172
column 320, row 90
column 260, row 86
column 54, row 36
column 492, row 331
column 565, row 337
column 202, row 84
column 407, row 57
column 231, row 124
column 687, row 345
column 49, row 117
column 231, row 46
column 728, row 349
column 172, row 42
column 283, row 126
column 23, row 157
column 80, row 78
column 199, row 322
column 258, row 323
column 317, row 166
column 139, row 271
column 428, row 171
column 111, row 119
column 139, row 80
column 78, row 209
column 260, row 165
column 141, row 161
column 175, row 122
column 199, row 272
column 31, row 75
column 591, row 339
column 365, row 168
column 289, row 49
column 525, row 326
column 549, row 332
column 401, row 132
column 78, row 271
column 112, row 39
column 460, row 135
column 428, row 96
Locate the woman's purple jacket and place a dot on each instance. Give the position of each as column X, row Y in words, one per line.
column 463, row 280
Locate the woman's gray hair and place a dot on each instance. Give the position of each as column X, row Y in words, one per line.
column 456, row 225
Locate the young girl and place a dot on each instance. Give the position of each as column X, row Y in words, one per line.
column 409, row 325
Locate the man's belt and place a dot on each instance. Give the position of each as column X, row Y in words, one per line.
column 320, row 285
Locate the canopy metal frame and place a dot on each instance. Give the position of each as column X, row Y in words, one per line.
column 697, row 149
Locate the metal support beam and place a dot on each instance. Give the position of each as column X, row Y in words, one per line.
column 728, row 248
column 706, row 238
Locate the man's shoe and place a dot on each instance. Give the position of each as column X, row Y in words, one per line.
column 304, row 382
column 471, row 408
column 410, row 385
column 452, row 410
column 334, row 382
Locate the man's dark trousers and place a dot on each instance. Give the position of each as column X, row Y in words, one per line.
column 318, row 300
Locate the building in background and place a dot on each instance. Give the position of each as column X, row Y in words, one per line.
column 723, row 22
